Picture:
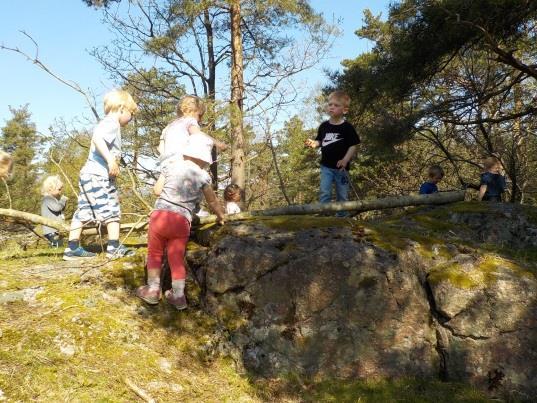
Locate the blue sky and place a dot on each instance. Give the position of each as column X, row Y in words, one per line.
column 67, row 30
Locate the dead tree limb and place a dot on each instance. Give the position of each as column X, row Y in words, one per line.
column 135, row 190
column 355, row 206
column 37, row 61
column 64, row 175
column 23, row 216
column 300, row 209
column 62, row 227
column 139, row 391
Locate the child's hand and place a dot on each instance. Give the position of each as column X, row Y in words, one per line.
column 220, row 146
column 341, row 164
column 113, row 168
column 311, row 143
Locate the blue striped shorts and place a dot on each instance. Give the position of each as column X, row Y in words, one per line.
column 98, row 200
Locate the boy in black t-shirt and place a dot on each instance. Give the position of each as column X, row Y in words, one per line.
column 337, row 139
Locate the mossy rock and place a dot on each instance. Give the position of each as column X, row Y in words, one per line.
column 482, row 274
column 303, row 222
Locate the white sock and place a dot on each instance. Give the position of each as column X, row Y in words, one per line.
column 153, row 282
column 178, row 287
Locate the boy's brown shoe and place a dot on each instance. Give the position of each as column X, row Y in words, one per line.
column 148, row 294
column 178, row 303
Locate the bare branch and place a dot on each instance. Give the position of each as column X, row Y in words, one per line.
column 7, row 192
column 35, row 60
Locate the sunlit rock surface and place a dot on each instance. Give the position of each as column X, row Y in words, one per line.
column 444, row 292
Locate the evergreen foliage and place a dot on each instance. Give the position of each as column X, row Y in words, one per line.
column 458, row 75
column 20, row 139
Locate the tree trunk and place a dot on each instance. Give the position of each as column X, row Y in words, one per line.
column 277, row 168
column 237, row 95
column 211, row 85
column 518, row 157
column 355, row 206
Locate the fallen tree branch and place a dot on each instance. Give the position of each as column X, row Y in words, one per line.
column 63, row 227
column 299, row 209
column 355, row 206
column 33, row 218
column 139, row 391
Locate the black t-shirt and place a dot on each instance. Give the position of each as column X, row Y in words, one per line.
column 335, row 141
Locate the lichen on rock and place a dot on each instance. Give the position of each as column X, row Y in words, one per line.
column 435, row 292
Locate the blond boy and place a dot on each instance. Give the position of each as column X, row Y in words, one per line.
column 98, row 200
column 53, row 206
column 337, row 139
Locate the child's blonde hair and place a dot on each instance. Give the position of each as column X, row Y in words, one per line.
column 341, row 96
column 232, row 193
column 117, row 99
column 435, row 170
column 491, row 162
column 51, row 183
column 6, row 165
column 191, row 104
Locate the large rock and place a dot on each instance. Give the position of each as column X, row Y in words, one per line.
column 319, row 301
column 489, row 307
column 317, row 297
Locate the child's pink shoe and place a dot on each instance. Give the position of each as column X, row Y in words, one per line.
column 148, row 294
column 178, row 303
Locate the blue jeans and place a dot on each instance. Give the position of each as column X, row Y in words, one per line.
column 341, row 179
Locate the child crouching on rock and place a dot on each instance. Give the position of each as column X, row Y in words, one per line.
column 184, row 184
column 232, row 198
column 52, row 206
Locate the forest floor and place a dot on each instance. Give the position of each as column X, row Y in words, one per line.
column 76, row 332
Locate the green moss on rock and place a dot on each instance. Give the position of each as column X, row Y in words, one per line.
column 301, row 222
column 378, row 390
column 482, row 274
column 433, row 223
column 470, row 207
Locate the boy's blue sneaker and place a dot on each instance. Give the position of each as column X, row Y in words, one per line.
column 120, row 251
column 78, row 253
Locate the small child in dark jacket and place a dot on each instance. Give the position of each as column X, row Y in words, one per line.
column 435, row 174
column 493, row 183
column 52, row 206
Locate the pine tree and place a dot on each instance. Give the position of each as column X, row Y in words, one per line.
column 19, row 137
column 240, row 52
